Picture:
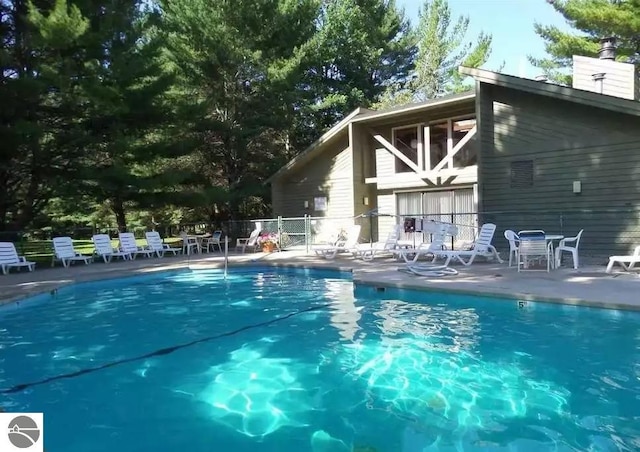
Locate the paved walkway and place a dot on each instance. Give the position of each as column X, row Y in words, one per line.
column 588, row 285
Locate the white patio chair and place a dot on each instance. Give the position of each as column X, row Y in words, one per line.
column 533, row 247
column 482, row 247
column 433, row 248
column 213, row 241
column 368, row 251
column 64, row 252
column 348, row 244
column 189, row 243
column 242, row 243
column 128, row 245
column 627, row 262
column 513, row 239
column 155, row 244
column 571, row 249
column 104, row 249
column 9, row 258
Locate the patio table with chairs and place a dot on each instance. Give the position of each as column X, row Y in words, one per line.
column 529, row 246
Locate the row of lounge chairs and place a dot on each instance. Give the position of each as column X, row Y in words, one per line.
column 64, row 251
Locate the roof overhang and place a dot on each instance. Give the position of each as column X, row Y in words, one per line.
column 316, row 147
column 566, row 93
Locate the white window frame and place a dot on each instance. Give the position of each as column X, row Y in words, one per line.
column 419, row 151
column 448, row 159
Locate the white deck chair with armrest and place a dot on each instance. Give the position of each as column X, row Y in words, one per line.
column 104, row 249
column 128, row 245
column 64, row 252
column 565, row 245
column 156, row 245
column 367, row 251
column 514, row 240
column 433, row 248
column 627, row 262
column 213, row 241
column 348, row 244
column 533, row 247
column 243, row 243
column 482, row 247
column 9, row 258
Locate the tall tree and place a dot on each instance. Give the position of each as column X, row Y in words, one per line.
column 442, row 47
column 592, row 21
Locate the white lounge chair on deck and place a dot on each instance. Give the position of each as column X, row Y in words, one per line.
column 368, row 251
column 482, row 247
column 9, row 258
column 155, row 244
column 433, row 248
column 64, row 252
column 348, row 244
column 104, row 249
column 128, row 245
column 627, row 262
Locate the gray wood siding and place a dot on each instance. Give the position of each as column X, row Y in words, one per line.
column 330, row 175
column 566, row 143
column 619, row 81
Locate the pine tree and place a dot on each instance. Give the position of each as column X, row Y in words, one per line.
column 592, row 20
column 442, row 47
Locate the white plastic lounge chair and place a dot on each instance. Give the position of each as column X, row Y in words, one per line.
column 348, row 244
column 533, row 247
column 9, row 258
column 155, row 244
column 64, row 252
column 434, row 248
column 368, row 251
column 242, row 243
column 571, row 249
column 513, row 239
column 482, row 247
column 103, row 248
column 128, row 245
column 627, row 262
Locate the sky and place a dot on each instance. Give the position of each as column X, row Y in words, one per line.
column 511, row 24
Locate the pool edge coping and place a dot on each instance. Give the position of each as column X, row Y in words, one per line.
column 357, row 279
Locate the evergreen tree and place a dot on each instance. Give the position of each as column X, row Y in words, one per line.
column 442, row 47
column 592, row 20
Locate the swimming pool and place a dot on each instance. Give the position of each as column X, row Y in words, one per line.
column 283, row 360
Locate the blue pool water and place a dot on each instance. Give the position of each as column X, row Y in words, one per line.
column 300, row 361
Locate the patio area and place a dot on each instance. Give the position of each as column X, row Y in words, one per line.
column 589, row 285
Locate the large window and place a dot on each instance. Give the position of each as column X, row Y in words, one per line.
column 406, row 141
column 440, row 145
column 451, row 206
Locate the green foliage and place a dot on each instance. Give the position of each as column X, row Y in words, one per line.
column 442, row 47
column 592, row 21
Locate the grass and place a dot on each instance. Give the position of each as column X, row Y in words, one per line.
column 41, row 251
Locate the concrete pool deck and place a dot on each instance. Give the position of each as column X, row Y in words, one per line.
column 589, row 285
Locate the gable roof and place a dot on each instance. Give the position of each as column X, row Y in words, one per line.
column 362, row 115
column 574, row 95
column 316, row 147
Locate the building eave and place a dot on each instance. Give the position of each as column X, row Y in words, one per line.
column 560, row 92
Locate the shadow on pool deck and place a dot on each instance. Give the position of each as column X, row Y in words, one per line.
column 588, row 285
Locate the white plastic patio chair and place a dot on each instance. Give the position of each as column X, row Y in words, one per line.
column 513, row 239
column 64, row 252
column 433, row 248
column 104, row 249
column 348, row 244
column 533, row 247
column 213, row 241
column 128, row 245
column 9, row 258
column 368, row 251
column 189, row 243
column 155, row 244
column 571, row 249
column 242, row 243
column 627, row 262
column 481, row 247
